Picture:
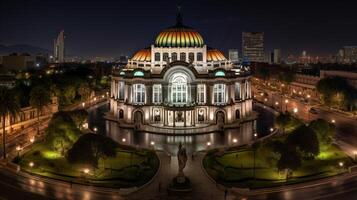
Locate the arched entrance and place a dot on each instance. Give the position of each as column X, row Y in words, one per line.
column 121, row 114
column 237, row 114
column 138, row 118
column 220, row 118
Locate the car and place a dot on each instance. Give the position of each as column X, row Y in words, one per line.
column 313, row 111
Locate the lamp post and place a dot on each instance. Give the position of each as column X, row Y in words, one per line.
column 18, row 149
column 286, row 104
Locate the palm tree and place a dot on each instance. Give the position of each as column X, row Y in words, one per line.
column 9, row 106
column 39, row 98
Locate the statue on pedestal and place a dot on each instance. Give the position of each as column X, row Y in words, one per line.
column 182, row 160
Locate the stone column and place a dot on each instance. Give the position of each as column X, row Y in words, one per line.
column 185, row 118
column 174, row 117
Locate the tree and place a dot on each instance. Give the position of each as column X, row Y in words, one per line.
column 290, row 160
column 324, row 131
column 90, row 148
column 282, row 120
column 62, row 133
column 84, row 90
column 305, row 139
column 337, row 92
column 78, row 116
column 39, row 98
column 263, row 73
column 9, row 106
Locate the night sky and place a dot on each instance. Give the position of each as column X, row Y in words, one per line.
column 114, row 27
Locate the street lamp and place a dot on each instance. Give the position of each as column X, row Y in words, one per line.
column 31, row 164
column 295, row 110
column 286, row 104
column 152, row 143
column 235, row 140
column 18, row 149
column 340, row 164
column 83, row 104
column 271, row 129
column 123, row 140
column 333, row 121
column 208, row 143
column 95, row 129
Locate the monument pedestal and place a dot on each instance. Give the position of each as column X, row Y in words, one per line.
column 180, row 184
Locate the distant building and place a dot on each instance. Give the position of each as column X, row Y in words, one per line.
column 18, row 62
column 277, row 56
column 233, row 55
column 253, row 46
column 8, row 81
column 350, row 54
column 58, row 48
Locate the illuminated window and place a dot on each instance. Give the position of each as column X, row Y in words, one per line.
column 157, row 56
column 183, row 56
column 201, row 93
column 237, row 91
column 219, row 93
column 156, row 96
column 139, row 93
column 121, row 90
column 174, row 56
column 179, row 88
column 199, row 57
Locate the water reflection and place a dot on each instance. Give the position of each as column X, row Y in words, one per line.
column 238, row 136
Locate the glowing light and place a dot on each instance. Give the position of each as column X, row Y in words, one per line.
column 208, row 143
column 31, row 164
column 271, row 129
column 152, row 143
column 276, row 103
column 95, row 98
column 333, row 121
column 255, row 135
column 18, row 148
column 95, row 129
column 32, row 139
column 83, row 104
column 262, row 94
column 235, row 140
column 308, row 96
column 286, row 101
column 341, row 164
column 265, row 99
column 86, row 171
column 295, row 110
column 123, row 140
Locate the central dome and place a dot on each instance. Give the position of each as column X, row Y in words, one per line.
column 179, row 36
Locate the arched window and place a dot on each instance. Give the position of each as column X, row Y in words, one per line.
column 220, row 74
column 199, row 57
column 219, row 93
column 183, row 56
column 121, row 114
column 191, row 57
column 138, row 73
column 157, row 56
column 237, row 95
column 179, row 88
column 174, row 56
column 237, row 114
column 156, row 93
column 165, row 56
column 139, row 93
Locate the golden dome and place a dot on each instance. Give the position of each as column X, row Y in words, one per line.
column 142, row 55
column 215, row 55
column 179, row 36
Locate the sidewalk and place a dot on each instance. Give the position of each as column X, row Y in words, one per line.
column 203, row 187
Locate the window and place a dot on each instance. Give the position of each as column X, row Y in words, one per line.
column 179, row 88
column 121, row 90
column 247, row 89
column 121, row 114
column 237, row 91
column 201, row 93
column 199, row 57
column 219, row 93
column 139, row 93
column 191, row 57
column 237, row 114
column 138, row 73
column 156, row 96
column 183, row 56
column 157, row 56
column 165, row 56
column 173, row 56
column 220, row 74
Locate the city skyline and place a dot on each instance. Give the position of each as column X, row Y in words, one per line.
column 116, row 28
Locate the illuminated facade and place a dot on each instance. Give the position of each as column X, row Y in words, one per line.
column 180, row 82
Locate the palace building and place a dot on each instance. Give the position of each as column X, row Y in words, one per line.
column 180, row 82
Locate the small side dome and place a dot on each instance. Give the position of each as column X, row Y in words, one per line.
column 215, row 55
column 142, row 55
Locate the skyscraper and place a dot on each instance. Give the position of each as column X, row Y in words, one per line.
column 253, row 46
column 277, row 56
column 233, row 55
column 58, row 48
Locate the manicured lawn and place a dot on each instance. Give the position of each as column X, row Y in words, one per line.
column 129, row 168
column 235, row 168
